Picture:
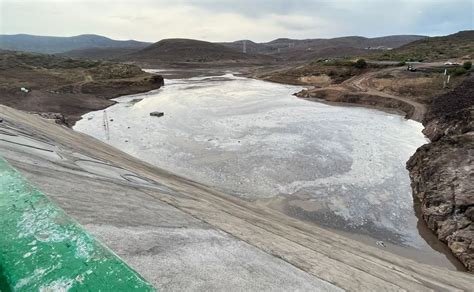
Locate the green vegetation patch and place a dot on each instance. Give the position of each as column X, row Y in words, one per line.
column 359, row 63
column 467, row 65
column 42, row 249
column 457, row 71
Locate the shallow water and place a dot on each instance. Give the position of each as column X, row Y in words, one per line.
column 341, row 167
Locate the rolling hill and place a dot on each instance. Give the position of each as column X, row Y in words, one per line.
column 251, row 47
column 192, row 51
column 456, row 45
column 300, row 50
column 187, row 50
column 51, row 45
column 195, row 51
column 99, row 53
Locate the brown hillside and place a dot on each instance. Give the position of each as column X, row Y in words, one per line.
column 193, row 51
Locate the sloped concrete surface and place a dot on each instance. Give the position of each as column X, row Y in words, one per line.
column 43, row 249
column 170, row 248
column 181, row 235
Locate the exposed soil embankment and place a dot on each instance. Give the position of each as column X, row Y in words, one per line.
column 65, row 89
column 356, row 98
column 315, row 74
column 345, row 83
column 442, row 172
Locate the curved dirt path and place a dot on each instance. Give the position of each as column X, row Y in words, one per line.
column 77, row 87
column 362, row 83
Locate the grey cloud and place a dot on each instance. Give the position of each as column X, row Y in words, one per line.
column 225, row 20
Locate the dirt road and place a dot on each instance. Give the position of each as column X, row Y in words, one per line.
column 361, row 90
column 362, row 83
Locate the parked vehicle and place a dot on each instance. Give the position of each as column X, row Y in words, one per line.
column 451, row 64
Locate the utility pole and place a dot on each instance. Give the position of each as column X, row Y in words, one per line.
column 245, row 47
column 106, row 125
column 446, row 78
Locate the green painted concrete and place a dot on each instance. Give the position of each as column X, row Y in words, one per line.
column 42, row 249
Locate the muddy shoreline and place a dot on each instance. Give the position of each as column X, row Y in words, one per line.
column 446, row 211
column 450, row 224
column 360, row 100
column 93, row 99
column 423, row 230
column 389, row 110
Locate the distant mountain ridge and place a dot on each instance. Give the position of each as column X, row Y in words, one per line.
column 457, row 45
column 89, row 46
column 52, row 45
column 294, row 49
column 96, row 53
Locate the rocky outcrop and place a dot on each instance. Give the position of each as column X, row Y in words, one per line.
column 442, row 172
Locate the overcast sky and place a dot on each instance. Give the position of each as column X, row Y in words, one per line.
column 227, row 20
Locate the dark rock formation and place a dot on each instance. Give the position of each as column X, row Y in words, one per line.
column 442, row 172
column 58, row 118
